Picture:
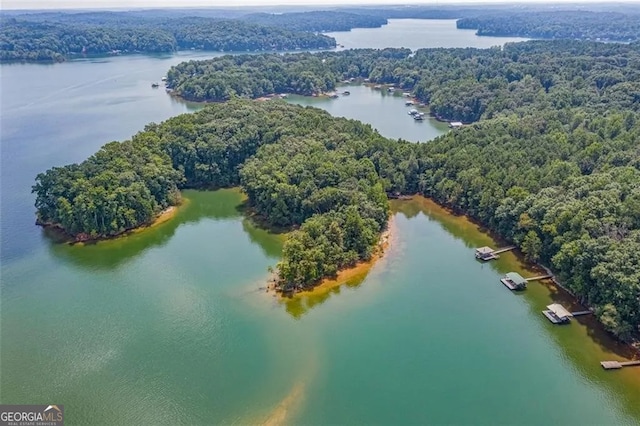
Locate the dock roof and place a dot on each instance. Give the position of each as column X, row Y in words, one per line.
column 484, row 249
column 559, row 310
column 516, row 278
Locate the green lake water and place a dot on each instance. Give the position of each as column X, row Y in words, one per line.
column 170, row 325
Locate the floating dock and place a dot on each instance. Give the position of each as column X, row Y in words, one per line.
column 615, row 365
column 514, row 281
column 487, row 253
column 558, row 314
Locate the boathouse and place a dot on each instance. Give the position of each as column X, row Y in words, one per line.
column 514, row 281
column 485, row 253
column 455, row 124
column 557, row 314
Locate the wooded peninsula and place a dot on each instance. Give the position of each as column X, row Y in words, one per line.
column 26, row 40
column 550, row 161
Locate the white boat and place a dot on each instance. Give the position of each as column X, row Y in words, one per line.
column 413, row 111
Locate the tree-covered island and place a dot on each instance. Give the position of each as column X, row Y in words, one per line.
column 550, row 161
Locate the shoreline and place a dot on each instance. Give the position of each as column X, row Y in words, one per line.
column 344, row 275
column 162, row 217
column 633, row 346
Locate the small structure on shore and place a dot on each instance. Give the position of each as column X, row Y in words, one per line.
column 455, row 124
column 514, row 281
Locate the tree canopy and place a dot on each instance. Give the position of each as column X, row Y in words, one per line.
column 300, row 167
column 57, row 41
column 557, row 24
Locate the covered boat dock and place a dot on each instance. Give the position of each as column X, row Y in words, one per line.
column 514, row 281
column 557, row 314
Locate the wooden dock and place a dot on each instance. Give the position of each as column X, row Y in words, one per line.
column 504, row 249
column 577, row 314
column 558, row 314
column 615, row 365
column 487, row 253
column 539, row 277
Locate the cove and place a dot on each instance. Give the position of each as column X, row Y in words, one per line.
column 385, row 111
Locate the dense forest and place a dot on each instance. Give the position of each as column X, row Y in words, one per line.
column 300, row 167
column 56, row 41
column 458, row 84
column 317, row 21
column 550, row 161
column 558, row 24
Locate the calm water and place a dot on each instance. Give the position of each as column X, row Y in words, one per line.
column 169, row 326
column 416, row 34
column 385, row 111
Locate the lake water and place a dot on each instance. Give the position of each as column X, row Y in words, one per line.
column 169, row 326
column 386, row 112
column 416, row 34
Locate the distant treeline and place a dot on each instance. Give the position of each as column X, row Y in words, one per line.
column 317, row 21
column 575, row 24
column 584, row 22
column 56, row 41
column 58, row 35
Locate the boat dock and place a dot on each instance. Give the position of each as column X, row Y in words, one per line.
column 615, row 365
column 514, row 281
column 558, row 314
column 487, row 253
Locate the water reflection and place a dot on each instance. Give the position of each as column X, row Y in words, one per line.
column 583, row 341
column 199, row 205
column 300, row 304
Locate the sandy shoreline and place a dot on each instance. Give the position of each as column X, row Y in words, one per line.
column 344, row 275
column 162, row 217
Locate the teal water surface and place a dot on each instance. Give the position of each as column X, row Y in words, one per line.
column 171, row 325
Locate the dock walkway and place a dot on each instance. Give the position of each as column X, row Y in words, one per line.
column 539, row 277
column 504, row 249
column 614, row 365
